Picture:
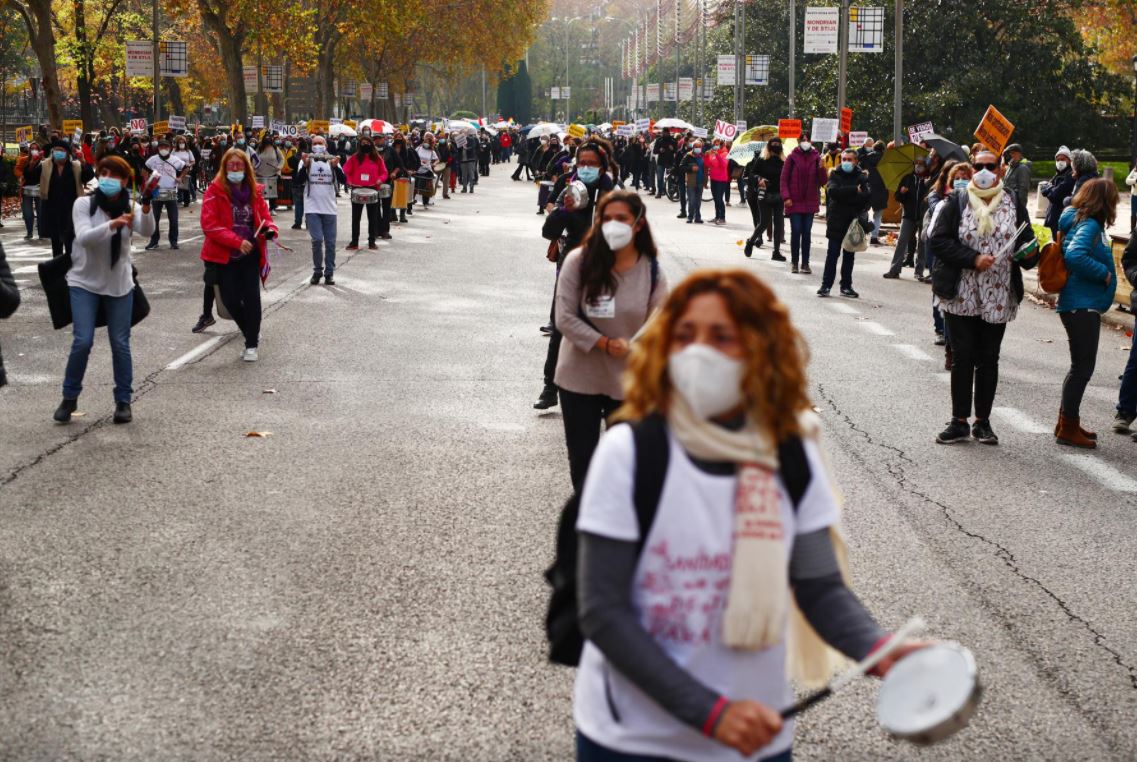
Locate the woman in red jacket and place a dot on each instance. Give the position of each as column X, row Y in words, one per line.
column 365, row 169
column 236, row 220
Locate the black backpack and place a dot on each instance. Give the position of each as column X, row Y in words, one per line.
column 562, row 627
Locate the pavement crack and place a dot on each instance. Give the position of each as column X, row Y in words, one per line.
column 896, row 470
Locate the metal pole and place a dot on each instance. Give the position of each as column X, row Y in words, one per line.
column 677, row 48
column 843, row 52
column 567, row 101
column 483, row 90
column 793, row 52
column 157, row 68
column 898, row 74
column 738, row 63
column 742, row 71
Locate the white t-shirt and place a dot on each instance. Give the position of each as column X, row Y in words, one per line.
column 185, row 156
column 167, row 170
column 680, row 590
column 320, row 192
column 426, row 156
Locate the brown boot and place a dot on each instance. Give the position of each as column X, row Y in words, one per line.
column 1069, row 433
column 1087, row 434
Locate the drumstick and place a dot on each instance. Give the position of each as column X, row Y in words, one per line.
column 913, row 626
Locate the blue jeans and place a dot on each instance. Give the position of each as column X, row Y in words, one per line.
column 172, row 212
column 877, row 218
column 298, row 204
column 588, row 750
column 719, row 189
column 695, row 203
column 800, row 227
column 660, row 172
column 834, row 253
column 84, row 308
column 29, row 205
column 1127, row 398
column 322, row 230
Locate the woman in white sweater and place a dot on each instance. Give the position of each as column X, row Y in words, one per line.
column 101, row 279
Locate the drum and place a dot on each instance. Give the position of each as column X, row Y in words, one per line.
column 543, row 193
column 31, row 191
column 385, row 190
column 439, row 167
column 424, row 184
column 364, row 196
column 166, row 194
column 401, row 195
column 270, row 187
column 930, row 694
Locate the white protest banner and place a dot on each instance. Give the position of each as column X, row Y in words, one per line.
column 335, row 120
column 626, row 130
column 821, row 24
column 699, row 132
column 686, row 88
column 173, row 58
column 139, row 58
column 725, row 130
column 917, row 132
column 757, row 70
column 290, row 130
column 276, row 126
column 866, row 29
column 138, row 126
column 824, row 130
column 643, row 125
column 727, row 68
column 252, row 81
column 258, row 123
column 176, row 122
column 858, row 138
column 460, row 139
column 741, row 127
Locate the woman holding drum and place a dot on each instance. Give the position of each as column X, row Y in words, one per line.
column 690, row 624
column 366, row 172
column 424, row 177
column 318, row 172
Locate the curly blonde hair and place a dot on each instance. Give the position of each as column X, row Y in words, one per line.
column 776, row 354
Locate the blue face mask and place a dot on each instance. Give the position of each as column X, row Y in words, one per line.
column 110, row 186
column 588, row 174
column 236, row 177
column 240, row 142
column 59, row 155
column 960, row 184
column 846, row 166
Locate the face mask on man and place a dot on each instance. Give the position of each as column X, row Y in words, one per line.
column 319, row 149
column 153, row 143
column 707, row 380
column 59, row 154
column 1061, row 165
column 164, row 152
column 984, row 179
column 847, row 166
column 617, row 234
column 240, row 141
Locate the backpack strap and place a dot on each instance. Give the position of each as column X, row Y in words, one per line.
column 652, row 454
column 794, row 469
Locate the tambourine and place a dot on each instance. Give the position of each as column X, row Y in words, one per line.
column 438, row 167
column 930, row 694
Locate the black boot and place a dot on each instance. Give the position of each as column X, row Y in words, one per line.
column 65, row 409
column 547, row 399
column 122, row 412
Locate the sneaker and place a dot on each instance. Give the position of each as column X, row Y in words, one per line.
column 875, row 242
column 296, row 226
column 173, row 247
column 941, row 340
column 794, row 270
column 748, row 249
column 956, row 431
column 315, row 279
column 983, row 433
column 720, row 222
column 850, row 293
column 202, row 323
column 385, row 236
column 698, row 222
column 823, row 291
column 353, row 246
column 890, row 275
column 547, row 399
column 122, row 412
column 373, row 246
column 681, row 215
column 1122, row 422
column 805, row 270
column 66, row 408
column 329, row 280
column 250, row 354
column 777, row 257
column 547, row 328
column 151, row 246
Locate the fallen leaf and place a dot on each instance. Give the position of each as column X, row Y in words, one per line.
column 269, row 391
column 1047, row 341
column 740, row 242
column 79, row 414
column 261, row 434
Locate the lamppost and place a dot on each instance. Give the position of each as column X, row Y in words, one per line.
column 1133, row 139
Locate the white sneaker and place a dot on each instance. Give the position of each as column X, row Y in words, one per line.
column 249, row 355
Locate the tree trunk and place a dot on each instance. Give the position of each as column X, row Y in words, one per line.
column 229, row 48
column 37, row 18
column 325, row 84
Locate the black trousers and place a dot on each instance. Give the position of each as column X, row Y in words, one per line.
column 583, row 414
column 773, row 224
column 1083, row 329
column 373, row 221
column 975, row 346
column 61, row 241
column 240, row 282
column 211, row 279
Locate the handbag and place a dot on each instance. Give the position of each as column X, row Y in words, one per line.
column 855, row 238
column 1052, row 272
column 53, row 278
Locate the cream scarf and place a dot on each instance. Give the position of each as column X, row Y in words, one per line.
column 983, row 205
column 759, row 604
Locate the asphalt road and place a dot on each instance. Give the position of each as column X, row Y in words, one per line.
column 365, row 583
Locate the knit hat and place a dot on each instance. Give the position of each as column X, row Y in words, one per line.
column 1062, row 151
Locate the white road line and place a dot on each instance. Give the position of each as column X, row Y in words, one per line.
column 843, row 308
column 912, row 352
column 1020, row 420
column 197, row 353
column 877, row 328
column 1105, row 474
column 28, row 269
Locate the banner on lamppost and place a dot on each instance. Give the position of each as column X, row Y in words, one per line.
column 866, row 29
column 381, row 91
column 757, row 70
column 669, row 91
column 727, row 68
column 686, row 88
column 252, row 81
column 173, row 58
column 556, row 93
column 821, row 24
column 273, row 78
column 653, row 93
column 139, row 58
column 366, row 90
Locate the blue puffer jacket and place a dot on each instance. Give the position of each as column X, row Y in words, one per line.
column 1089, row 258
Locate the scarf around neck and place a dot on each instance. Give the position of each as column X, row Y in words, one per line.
column 112, row 208
column 983, row 205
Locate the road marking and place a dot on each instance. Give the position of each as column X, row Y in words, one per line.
column 912, row 352
column 24, row 270
column 877, row 328
column 1105, row 474
column 844, row 309
column 1020, row 420
column 197, row 353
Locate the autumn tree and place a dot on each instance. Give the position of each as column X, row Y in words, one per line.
column 36, row 15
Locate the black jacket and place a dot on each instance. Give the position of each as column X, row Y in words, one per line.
column 953, row 256
column 1061, row 188
column 914, row 198
column 1129, row 265
column 664, row 150
column 9, row 300
column 878, row 192
column 769, row 170
column 847, row 196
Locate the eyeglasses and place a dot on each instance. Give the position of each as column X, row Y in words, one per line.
column 991, row 167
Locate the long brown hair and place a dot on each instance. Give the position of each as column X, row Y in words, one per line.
column 776, row 354
column 597, row 257
column 222, row 178
column 1097, row 200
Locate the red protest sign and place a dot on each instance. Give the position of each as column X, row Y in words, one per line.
column 846, row 120
column 789, row 128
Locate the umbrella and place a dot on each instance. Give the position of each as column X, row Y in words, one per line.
column 376, row 126
column 945, row 148
column 898, row 162
column 543, row 129
column 458, row 125
column 674, row 124
column 337, row 130
column 606, row 127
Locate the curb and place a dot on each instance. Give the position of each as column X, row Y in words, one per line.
column 1115, row 317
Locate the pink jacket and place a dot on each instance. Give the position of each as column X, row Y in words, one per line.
column 719, row 166
column 803, row 177
column 356, row 171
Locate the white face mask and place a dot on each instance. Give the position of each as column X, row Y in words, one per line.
column 319, row 148
column 984, row 179
column 1061, row 165
column 617, row 234
column 805, row 145
column 709, row 381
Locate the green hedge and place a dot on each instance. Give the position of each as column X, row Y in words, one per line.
column 1044, row 170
